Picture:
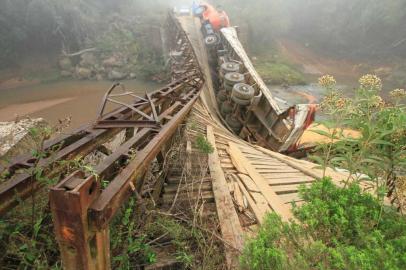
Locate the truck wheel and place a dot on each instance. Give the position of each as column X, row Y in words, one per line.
column 243, row 91
column 210, row 40
column 234, row 123
column 228, row 67
column 239, row 101
column 226, row 108
column 233, row 78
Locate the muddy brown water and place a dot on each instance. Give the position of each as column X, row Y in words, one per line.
column 57, row 100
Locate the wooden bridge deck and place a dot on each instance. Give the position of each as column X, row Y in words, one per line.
column 248, row 181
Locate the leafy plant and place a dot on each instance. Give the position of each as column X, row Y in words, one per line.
column 379, row 151
column 204, row 145
column 339, row 228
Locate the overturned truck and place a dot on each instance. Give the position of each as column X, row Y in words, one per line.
column 245, row 103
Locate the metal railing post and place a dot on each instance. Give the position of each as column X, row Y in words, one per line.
column 81, row 245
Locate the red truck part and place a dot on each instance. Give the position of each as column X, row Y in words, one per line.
column 218, row 19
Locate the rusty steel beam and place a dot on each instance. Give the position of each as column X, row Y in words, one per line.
column 80, row 143
column 81, row 209
column 80, row 247
column 105, row 207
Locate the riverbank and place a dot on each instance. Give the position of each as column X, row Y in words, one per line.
column 78, row 99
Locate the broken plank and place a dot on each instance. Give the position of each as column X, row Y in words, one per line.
column 249, row 183
column 230, row 226
column 271, row 197
column 258, row 213
column 237, row 162
column 238, row 197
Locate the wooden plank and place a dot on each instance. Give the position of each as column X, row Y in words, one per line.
column 271, row 165
column 205, row 186
column 238, row 197
column 281, row 181
column 229, row 223
column 286, row 175
column 206, row 196
column 237, row 163
column 276, row 170
column 287, row 188
column 249, row 183
column 290, row 197
column 258, row 213
column 227, row 165
column 271, row 197
column 260, row 158
column 316, row 173
column 261, row 202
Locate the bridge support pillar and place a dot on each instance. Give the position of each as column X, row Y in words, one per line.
column 82, row 246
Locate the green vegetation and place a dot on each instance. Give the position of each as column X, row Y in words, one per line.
column 279, row 73
column 25, row 241
column 378, row 154
column 46, row 29
column 362, row 28
column 346, row 227
column 204, row 145
column 338, row 228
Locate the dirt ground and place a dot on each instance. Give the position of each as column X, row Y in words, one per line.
column 346, row 71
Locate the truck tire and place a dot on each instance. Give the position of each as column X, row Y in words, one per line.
column 234, row 123
column 243, row 91
column 232, row 78
column 210, row 40
column 239, row 101
column 226, row 108
column 228, row 67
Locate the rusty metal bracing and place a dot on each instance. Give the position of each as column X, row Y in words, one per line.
column 151, row 111
column 81, row 208
column 84, row 140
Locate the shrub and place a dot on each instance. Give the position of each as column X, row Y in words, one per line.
column 378, row 154
column 339, row 228
column 204, row 145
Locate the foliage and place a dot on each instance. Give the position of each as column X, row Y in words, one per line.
column 279, row 73
column 339, row 27
column 194, row 245
column 204, row 145
column 128, row 247
column 49, row 26
column 379, row 152
column 25, row 242
column 339, row 228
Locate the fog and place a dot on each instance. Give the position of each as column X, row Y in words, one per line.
column 359, row 30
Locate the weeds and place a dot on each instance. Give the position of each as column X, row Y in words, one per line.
column 204, row 145
column 340, row 228
column 379, row 152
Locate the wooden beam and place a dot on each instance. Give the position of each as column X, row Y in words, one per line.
column 258, row 212
column 236, row 162
column 271, row 197
column 229, row 223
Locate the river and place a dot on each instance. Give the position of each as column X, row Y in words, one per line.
column 58, row 100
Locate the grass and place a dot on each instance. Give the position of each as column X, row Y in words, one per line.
column 278, row 73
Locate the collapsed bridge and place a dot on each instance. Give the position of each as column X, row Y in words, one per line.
column 242, row 180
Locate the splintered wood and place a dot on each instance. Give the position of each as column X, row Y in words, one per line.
column 249, row 181
column 229, row 223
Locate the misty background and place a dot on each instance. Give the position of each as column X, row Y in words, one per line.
column 370, row 33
